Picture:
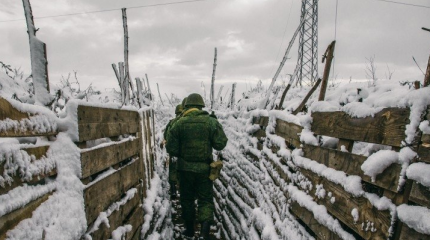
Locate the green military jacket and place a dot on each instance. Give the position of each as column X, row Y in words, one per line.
column 192, row 138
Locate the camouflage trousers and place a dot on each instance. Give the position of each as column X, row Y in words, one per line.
column 198, row 186
column 173, row 177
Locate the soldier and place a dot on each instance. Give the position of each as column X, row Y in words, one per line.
column 191, row 140
column 172, row 164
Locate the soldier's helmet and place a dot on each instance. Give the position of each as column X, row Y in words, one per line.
column 179, row 109
column 184, row 101
column 194, row 99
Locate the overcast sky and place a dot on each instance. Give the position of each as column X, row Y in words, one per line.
column 174, row 44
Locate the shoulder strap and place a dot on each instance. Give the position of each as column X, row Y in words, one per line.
column 189, row 111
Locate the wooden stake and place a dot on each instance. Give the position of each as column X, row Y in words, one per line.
column 149, row 88
column 39, row 61
column 158, row 88
column 116, row 74
column 232, row 99
column 329, row 56
column 139, row 92
column 302, row 105
column 168, row 99
column 427, row 76
column 281, row 65
column 219, row 93
column 417, row 84
column 213, row 81
column 124, row 23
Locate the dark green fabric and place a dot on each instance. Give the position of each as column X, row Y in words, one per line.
column 194, row 99
column 173, row 176
column 191, row 139
column 198, row 186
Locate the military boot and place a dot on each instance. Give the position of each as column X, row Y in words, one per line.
column 188, row 233
column 204, row 230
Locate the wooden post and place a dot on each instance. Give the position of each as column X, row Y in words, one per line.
column 417, row 84
column 39, row 62
column 168, row 99
column 116, row 74
column 139, row 92
column 219, row 93
column 232, row 99
column 158, row 88
column 427, row 76
column 213, row 81
column 329, row 56
column 149, row 88
column 302, row 105
column 124, row 23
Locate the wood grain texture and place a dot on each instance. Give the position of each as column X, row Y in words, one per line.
column 103, row 193
column 424, row 153
column 420, row 195
column 345, row 203
column 99, row 159
column 387, row 127
column 91, row 131
column 8, row 111
column 119, row 217
column 351, row 165
column 37, row 152
column 289, row 131
column 411, row 234
column 10, row 220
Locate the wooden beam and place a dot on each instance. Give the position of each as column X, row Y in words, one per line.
column 302, row 105
column 10, row 220
column 387, row 127
column 289, row 131
column 329, row 56
column 99, row 159
column 427, row 76
column 351, row 165
column 213, row 81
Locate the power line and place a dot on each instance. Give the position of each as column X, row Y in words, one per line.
column 108, row 10
column 402, row 3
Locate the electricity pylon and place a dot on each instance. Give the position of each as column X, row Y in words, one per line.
column 307, row 63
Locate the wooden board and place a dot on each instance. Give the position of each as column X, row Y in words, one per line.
column 420, row 195
column 38, row 153
column 88, row 114
column 410, row 234
column 425, row 138
column 91, row 131
column 119, row 217
column 424, row 153
column 289, row 131
column 10, row 220
column 8, row 111
column 345, row 203
column 99, row 159
column 387, row 127
column 351, row 165
column 103, row 193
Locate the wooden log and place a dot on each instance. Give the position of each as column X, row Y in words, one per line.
column 289, row 131
column 351, row 165
column 305, row 100
column 10, row 220
column 212, row 96
column 99, row 159
column 103, row 193
column 329, row 55
column 387, row 127
column 420, row 195
column 88, row 114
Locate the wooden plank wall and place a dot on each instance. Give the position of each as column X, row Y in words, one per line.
column 15, row 216
column 132, row 161
column 108, row 171
column 386, row 128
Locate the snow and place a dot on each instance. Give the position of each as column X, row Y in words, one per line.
column 416, row 217
column 419, row 172
column 378, row 162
